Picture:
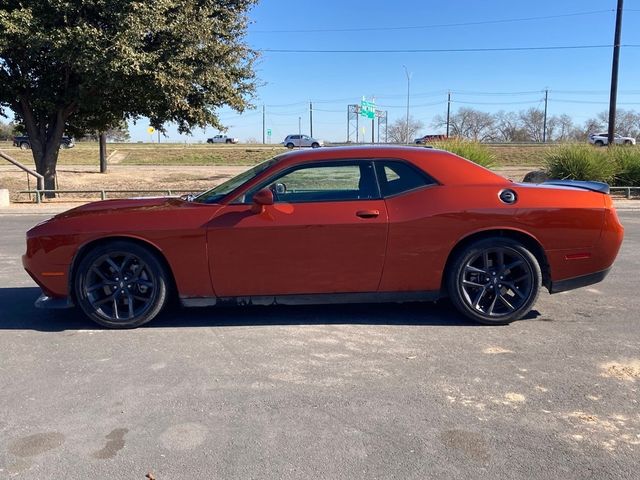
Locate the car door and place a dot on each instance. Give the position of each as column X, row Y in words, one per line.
column 325, row 233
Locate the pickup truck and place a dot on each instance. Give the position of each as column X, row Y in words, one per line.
column 222, row 139
column 24, row 144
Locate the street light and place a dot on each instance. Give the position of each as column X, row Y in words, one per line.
column 408, row 88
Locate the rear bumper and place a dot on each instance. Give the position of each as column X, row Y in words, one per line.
column 53, row 303
column 577, row 282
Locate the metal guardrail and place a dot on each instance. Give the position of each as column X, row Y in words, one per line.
column 103, row 192
column 627, row 190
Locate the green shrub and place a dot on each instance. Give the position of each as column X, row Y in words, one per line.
column 581, row 162
column 474, row 151
column 627, row 161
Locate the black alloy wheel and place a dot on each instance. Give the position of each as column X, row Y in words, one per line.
column 494, row 281
column 121, row 285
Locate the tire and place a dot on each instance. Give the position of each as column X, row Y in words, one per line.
column 228, row 141
column 494, row 281
column 25, row 146
column 105, row 292
column 289, row 145
column 599, row 143
column 315, row 145
column 627, row 142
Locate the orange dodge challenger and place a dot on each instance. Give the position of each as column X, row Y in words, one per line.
column 352, row 224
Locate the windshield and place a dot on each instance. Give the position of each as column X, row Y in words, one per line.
column 216, row 193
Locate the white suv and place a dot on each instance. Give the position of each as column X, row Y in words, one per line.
column 302, row 141
column 602, row 139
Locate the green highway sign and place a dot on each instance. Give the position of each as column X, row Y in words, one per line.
column 367, row 109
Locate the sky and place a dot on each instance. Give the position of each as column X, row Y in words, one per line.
column 578, row 79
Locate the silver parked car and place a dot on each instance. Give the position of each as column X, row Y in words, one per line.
column 302, row 141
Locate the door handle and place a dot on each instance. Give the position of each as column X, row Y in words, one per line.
column 368, row 213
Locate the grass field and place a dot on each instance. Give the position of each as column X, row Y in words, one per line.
column 216, row 155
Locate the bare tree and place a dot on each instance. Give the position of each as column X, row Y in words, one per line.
column 564, row 128
column 470, row 124
column 532, row 121
column 627, row 122
column 398, row 130
column 508, row 127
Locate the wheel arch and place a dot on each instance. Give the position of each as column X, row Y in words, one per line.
column 526, row 239
column 153, row 249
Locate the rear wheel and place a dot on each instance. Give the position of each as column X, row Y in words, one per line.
column 599, row 143
column 228, row 140
column 494, row 281
column 121, row 285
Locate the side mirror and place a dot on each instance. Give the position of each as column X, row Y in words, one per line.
column 260, row 199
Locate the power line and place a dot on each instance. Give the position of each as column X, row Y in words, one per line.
column 463, row 92
column 436, row 25
column 497, row 103
column 446, row 50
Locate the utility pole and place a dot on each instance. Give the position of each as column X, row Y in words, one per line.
column 310, row 119
column 448, row 110
column 544, row 125
column 263, row 142
column 300, row 131
column 614, row 74
column 408, row 88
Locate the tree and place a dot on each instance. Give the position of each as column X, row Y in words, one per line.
column 532, row 121
column 627, row 122
column 508, row 127
column 79, row 66
column 7, row 131
column 470, row 124
column 564, row 127
column 398, row 132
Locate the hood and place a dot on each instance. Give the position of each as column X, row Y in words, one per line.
column 124, row 204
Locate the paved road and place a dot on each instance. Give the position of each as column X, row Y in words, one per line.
column 411, row 391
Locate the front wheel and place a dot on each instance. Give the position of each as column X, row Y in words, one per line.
column 599, row 143
column 24, row 146
column 315, row 145
column 494, row 281
column 121, row 285
column 289, row 145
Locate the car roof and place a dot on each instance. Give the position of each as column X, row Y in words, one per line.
column 446, row 167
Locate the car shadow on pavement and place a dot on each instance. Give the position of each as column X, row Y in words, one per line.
column 17, row 312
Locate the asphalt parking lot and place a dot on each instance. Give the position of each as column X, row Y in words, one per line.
column 361, row 391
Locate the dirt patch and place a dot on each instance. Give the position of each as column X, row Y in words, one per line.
column 627, row 370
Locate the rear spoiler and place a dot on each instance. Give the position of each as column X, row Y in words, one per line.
column 593, row 186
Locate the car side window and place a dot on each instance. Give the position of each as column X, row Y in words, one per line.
column 397, row 177
column 326, row 182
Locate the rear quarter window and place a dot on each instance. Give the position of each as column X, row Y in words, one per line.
column 396, row 177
